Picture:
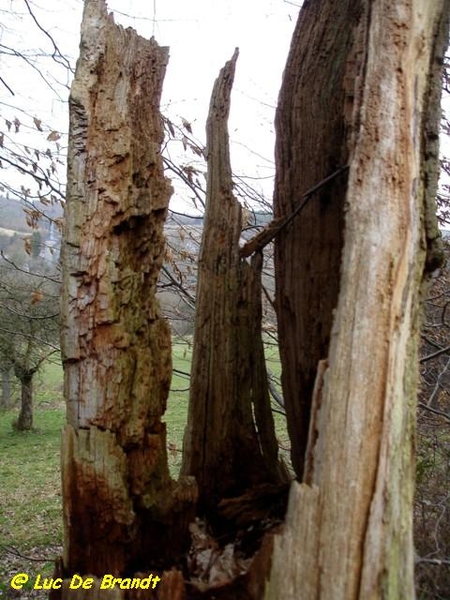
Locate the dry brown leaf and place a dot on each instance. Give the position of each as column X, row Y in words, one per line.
column 53, row 136
column 36, row 296
column 38, row 124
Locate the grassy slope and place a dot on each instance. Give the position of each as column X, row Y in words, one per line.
column 30, row 500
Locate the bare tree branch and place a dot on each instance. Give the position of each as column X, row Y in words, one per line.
column 57, row 55
column 30, row 317
column 7, row 86
column 432, row 561
column 32, row 337
column 435, row 411
column 40, row 275
column 435, row 354
column 438, row 383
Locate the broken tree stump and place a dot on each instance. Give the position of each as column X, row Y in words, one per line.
column 229, row 444
column 122, row 510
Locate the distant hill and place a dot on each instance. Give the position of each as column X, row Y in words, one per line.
column 12, row 216
column 254, row 218
column 14, row 229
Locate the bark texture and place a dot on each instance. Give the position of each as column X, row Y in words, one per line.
column 349, row 528
column 311, row 129
column 230, row 443
column 122, row 511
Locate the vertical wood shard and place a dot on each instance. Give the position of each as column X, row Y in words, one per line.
column 115, row 344
column 311, row 129
column 224, row 449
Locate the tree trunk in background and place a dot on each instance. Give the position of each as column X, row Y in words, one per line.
column 310, row 125
column 25, row 420
column 122, row 511
column 360, row 85
column 224, row 448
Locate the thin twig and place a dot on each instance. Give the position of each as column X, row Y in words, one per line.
column 275, row 394
column 44, row 180
column 22, row 334
column 56, row 51
column 24, row 316
column 14, row 552
column 268, row 297
column 435, row 354
column 438, row 383
column 278, row 225
column 41, row 276
column 181, row 373
column 432, row 561
column 435, row 411
column 7, row 86
column 172, row 279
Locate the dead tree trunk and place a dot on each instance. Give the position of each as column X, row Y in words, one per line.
column 223, row 448
column 122, row 511
column 310, row 125
column 360, row 86
column 25, row 373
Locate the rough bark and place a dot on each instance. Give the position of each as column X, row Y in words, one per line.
column 252, row 377
column 122, row 511
column 349, row 534
column 229, row 443
column 310, row 126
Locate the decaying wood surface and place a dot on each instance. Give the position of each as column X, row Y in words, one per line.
column 310, row 127
column 224, row 449
column 348, row 534
column 122, row 511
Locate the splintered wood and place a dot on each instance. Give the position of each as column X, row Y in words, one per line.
column 348, row 531
column 230, row 443
column 119, row 499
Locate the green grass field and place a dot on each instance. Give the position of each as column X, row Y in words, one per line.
column 30, row 497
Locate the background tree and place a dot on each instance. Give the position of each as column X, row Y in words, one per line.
column 6, row 375
column 29, row 329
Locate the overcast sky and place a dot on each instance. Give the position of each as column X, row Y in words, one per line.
column 201, row 34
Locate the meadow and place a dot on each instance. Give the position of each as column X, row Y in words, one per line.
column 30, row 497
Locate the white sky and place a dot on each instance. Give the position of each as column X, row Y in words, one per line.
column 201, row 34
